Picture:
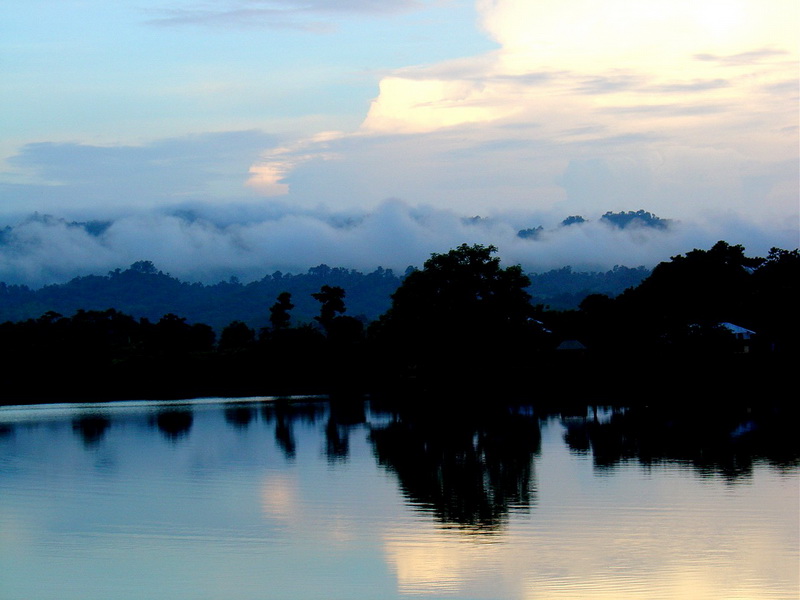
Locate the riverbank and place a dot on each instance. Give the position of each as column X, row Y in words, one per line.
column 554, row 378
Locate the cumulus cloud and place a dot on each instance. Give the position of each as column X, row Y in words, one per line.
column 678, row 106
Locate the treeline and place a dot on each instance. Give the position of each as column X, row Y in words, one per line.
column 711, row 326
column 109, row 354
column 142, row 290
column 619, row 220
column 697, row 302
column 565, row 289
column 710, row 323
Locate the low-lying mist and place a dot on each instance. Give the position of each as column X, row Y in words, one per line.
column 208, row 243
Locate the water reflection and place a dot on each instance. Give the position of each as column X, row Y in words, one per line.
column 91, row 428
column 174, row 424
column 240, row 416
column 344, row 415
column 469, row 470
column 285, row 414
column 319, row 500
column 337, row 442
column 720, row 442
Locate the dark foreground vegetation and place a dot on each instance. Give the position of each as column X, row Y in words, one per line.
column 712, row 324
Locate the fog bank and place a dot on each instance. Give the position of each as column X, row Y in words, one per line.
column 208, row 243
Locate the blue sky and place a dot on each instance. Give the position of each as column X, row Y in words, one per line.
column 258, row 115
column 121, row 73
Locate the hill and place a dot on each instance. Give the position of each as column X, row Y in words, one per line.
column 142, row 290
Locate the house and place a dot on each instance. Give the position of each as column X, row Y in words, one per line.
column 571, row 345
column 743, row 336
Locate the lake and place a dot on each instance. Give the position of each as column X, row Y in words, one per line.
column 262, row 499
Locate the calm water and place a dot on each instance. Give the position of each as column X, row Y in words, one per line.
column 264, row 500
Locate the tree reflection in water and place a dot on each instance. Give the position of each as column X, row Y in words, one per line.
column 468, row 469
column 239, row 417
column 91, row 428
column 284, row 414
column 344, row 415
column 174, row 423
column 725, row 442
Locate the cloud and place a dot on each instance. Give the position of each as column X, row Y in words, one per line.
column 267, row 176
column 71, row 175
column 658, row 86
column 744, row 58
column 685, row 109
column 308, row 15
column 211, row 242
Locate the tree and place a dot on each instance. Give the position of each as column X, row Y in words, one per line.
column 172, row 335
column 331, row 299
column 236, row 336
column 682, row 302
column 621, row 220
column 776, row 296
column 279, row 312
column 572, row 220
column 460, row 312
column 704, row 286
column 145, row 267
column 462, row 290
column 533, row 233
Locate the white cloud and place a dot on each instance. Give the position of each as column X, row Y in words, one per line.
column 209, row 243
column 678, row 104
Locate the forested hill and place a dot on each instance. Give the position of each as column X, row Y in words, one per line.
column 144, row 291
column 565, row 289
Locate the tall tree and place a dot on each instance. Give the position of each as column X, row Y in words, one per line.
column 462, row 292
column 279, row 312
column 331, row 299
column 461, row 313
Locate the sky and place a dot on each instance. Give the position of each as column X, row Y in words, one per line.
column 244, row 136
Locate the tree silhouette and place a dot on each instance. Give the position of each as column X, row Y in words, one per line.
column 703, row 287
column 621, row 220
column 279, row 312
column 236, row 336
column 572, row 220
column 462, row 312
column 463, row 291
column 331, row 299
